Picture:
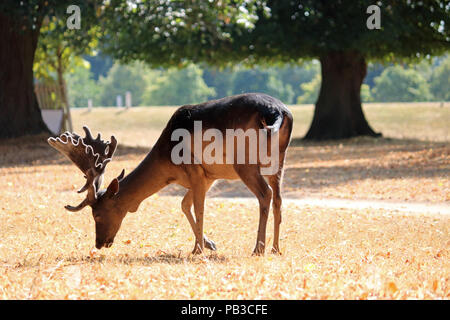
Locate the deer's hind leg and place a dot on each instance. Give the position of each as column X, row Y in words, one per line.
column 186, row 206
column 275, row 183
column 255, row 182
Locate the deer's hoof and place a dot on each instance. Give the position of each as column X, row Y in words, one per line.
column 197, row 249
column 259, row 249
column 209, row 244
column 276, row 251
column 257, row 253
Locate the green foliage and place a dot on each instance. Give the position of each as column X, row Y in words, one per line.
column 308, row 29
column 276, row 88
column 60, row 47
column 178, row 87
column 295, row 75
column 222, row 32
column 81, row 87
column 440, row 81
column 220, row 80
column 100, row 64
column 278, row 81
column 310, row 90
column 120, row 79
column 28, row 15
column 260, row 80
column 366, row 96
column 397, row 84
column 291, row 84
column 172, row 33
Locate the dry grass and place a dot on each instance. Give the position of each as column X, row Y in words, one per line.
column 422, row 121
column 327, row 254
column 45, row 252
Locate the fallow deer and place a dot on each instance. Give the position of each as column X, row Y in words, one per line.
column 125, row 193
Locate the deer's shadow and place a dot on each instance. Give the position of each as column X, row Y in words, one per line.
column 166, row 258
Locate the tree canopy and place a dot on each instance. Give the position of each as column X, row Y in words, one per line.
column 222, row 32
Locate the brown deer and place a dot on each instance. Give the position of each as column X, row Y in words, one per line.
column 125, row 193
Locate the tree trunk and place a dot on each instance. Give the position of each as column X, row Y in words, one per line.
column 19, row 110
column 338, row 113
column 67, row 120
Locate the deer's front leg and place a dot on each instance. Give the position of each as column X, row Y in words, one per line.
column 199, row 205
column 186, row 205
column 199, row 186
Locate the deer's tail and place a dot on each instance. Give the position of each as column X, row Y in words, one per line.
column 276, row 125
column 280, row 122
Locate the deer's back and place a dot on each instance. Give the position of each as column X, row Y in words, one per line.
column 240, row 111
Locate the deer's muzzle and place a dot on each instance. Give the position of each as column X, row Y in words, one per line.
column 101, row 244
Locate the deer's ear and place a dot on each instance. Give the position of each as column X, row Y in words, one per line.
column 113, row 188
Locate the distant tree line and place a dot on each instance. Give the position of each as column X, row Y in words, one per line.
column 102, row 80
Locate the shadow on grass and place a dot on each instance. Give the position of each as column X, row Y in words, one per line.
column 165, row 258
column 309, row 165
column 314, row 165
column 34, row 150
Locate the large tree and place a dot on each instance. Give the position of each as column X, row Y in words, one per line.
column 336, row 33
column 19, row 32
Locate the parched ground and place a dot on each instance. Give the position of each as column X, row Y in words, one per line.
column 328, row 252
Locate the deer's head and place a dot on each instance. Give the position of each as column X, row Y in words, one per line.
column 91, row 156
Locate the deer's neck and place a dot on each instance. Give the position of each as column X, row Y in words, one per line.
column 147, row 178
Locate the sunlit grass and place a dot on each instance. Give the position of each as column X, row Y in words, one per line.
column 328, row 253
column 142, row 125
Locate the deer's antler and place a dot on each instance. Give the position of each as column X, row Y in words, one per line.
column 90, row 155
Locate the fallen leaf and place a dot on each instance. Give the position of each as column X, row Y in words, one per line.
column 392, row 287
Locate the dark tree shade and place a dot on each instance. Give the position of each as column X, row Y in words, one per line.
column 19, row 111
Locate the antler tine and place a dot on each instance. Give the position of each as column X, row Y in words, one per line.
column 121, row 175
column 83, row 204
column 91, row 197
column 87, row 131
column 112, row 147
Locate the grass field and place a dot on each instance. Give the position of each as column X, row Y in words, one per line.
column 328, row 253
column 141, row 126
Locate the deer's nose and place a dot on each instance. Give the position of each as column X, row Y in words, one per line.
column 99, row 244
